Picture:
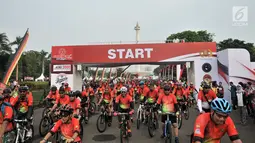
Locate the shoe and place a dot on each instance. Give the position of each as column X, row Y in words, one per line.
column 162, row 136
column 176, row 140
column 29, row 133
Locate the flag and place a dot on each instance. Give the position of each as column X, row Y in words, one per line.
column 14, row 60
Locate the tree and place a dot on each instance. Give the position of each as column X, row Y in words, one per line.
column 17, row 42
column 192, row 36
column 5, row 52
column 235, row 43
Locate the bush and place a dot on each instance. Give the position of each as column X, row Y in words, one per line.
column 34, row 85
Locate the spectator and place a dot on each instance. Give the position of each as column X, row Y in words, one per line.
column 220, row 90
column 241, row 102
column 233, row 95
column 250, row 95
column 214, row 87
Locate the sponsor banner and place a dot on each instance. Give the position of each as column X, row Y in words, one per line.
column 62, row 68
column 58, row 79
column 28, row 78
column 130, row 53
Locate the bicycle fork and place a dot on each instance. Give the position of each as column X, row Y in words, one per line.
column 167, row 122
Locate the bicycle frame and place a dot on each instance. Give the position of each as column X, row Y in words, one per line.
column 140, row 112
column 167, row 122
column 21, row 131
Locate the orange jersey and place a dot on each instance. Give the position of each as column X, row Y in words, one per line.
column 52, row 96
column 179, row 93
column 206, row 129
column 210, row 96
column 8, row 115
column 63, row 101
column 168, row 102
column 107, row 97
column 23, row 104
column 76, row 104
column 152, row 96
column 67, row 130
column 68, row 89
column 124, row 101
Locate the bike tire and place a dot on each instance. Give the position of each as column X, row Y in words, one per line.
column 33, row 132
column 92, row 108
column 186, row 115
column 81, row 132
column 151, row 127
column 179, row 119
column 168, row 138
column 99, row 119
column 121, row 135
column 138, row 120
column 42, row 134
column 45, row 111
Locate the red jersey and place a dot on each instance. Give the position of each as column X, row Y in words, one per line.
column 76, row 104
column 167, row 102
column 63, row 101
column 8, row 115
column 124, row 101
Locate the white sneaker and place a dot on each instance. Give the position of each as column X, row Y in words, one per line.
column 29, row 133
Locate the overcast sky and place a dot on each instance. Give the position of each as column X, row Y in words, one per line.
column 72, row 22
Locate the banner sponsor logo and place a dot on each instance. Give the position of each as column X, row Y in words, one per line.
column 62, row 68
column 61, row 78
column 62, row 55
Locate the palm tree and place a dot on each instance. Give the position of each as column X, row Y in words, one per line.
column 4, row 44
column 17, row 42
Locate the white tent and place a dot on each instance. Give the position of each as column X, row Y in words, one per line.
column 41, row 78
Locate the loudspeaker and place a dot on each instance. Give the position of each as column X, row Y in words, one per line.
column 206, row 67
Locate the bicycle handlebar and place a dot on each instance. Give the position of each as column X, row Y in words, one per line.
column 20, row 121
column 167, row 113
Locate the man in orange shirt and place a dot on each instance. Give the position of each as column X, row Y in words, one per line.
column 6, row 117
column 68, row 126
column 211, row 127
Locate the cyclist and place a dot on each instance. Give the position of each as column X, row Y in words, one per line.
column 169, row 104
column 190, row 91
column 211, row 127
column 68, row 125
column 53, row 94
column 6, row 117
column 124, row 104
column 67, row 88
column 179, row 92
column 24, row 107
column 7, row 96
column 74, row 103
column 205, row 98
column 151, row 98
column 144, row 90
column 106, row 101
column 85, row 101
column 61, row 100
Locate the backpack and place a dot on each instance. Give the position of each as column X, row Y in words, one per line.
column 4, row 104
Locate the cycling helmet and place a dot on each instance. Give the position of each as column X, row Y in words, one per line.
column 23, row 89
column 66, row 110
column 66, row 84
column 141, row 83
column 206, row 86
column 221, row 105
column 7, row 91
column 53, row 88
column 167, row 88
column 77, row 93
column 123, row 89
column 71, row 94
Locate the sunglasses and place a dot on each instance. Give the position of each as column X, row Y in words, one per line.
column 167, row 90
column 123, row 92
column 221, row 116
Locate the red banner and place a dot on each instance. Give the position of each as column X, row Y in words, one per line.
column 128, row 53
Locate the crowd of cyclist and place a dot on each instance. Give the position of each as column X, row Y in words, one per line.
column 210, row 126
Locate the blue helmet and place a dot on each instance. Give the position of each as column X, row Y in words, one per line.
column 221, row 105
column 141, row 83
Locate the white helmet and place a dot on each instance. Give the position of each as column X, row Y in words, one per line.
column 123, row 89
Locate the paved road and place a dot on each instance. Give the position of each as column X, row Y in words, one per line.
column 91, row 135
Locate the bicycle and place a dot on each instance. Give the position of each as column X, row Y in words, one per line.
column 22, row 131
column 168, row 127
column 103, row 118
column 9, row 137
column 48, row 104
column 152, row 121
column 140, row 115
column 123, row 127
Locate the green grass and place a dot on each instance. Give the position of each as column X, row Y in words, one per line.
column 38, row 95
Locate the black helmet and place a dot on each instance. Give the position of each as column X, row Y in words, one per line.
column 71, row 94
column 167, row 88
column 53, row 88
column 66, row 110
column 23, row 89
column 206, row 86
column 77, row 93
column 7, row 91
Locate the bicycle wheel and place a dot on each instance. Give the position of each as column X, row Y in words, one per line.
column 92, row 108
column 81, row 132
column 101, row 121
column 138, row 120
column 168, row 138
column 44, row 126
column 151, row 126
column 186, row 114
column 30, row 140
column 45, row 111
column 179, row 120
